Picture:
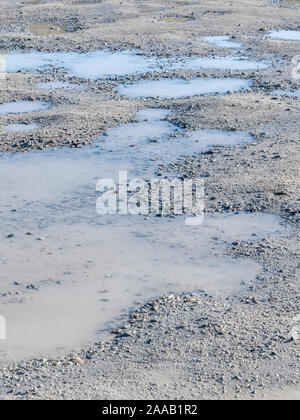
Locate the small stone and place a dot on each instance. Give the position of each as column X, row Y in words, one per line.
column 78, row 360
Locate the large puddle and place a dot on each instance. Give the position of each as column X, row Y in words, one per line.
column 90, row 65
column 22, row 107
column 97, row 64
column 67, row 273
column 285, row 34
column 179, row 88
column 89, row 274
column 136, row 147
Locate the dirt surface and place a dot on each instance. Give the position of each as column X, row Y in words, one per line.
column 187, row 346
column 76, row 116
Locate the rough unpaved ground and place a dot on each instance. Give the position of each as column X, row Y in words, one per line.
column 180, row 346
column 77, row 115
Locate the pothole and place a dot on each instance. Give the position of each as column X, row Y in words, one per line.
column 221, row 63
column 67, row 273
column 46, row 28
column 97, row 64
column 22, row 106
column 88, row 275
column 90, row 65
column 179, row 88
column 285, row 34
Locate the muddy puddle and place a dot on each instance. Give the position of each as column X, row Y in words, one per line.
column 179, row 88
column 22, row 107
column 97, row 64
column 285, row 34
column 90, row 273
column 68, row 274
column 136, row 147
column 45, row 28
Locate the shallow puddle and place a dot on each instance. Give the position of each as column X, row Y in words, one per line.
column 20, row 127
column 22, row 106
column 91, row 65
column 136, row 147
column 46, row 28
column 222, row 41
column 221, row 63
column 285, row 34
column 96, row 64
column 296, row 93
column 179, row 88
column 68, row 274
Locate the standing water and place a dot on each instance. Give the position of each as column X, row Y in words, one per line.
column 285, row 34
column 67, row 273
column 97, row 64
column 179, row 88
column 22, row 106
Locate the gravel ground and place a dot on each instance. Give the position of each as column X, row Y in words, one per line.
column 191, row 346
